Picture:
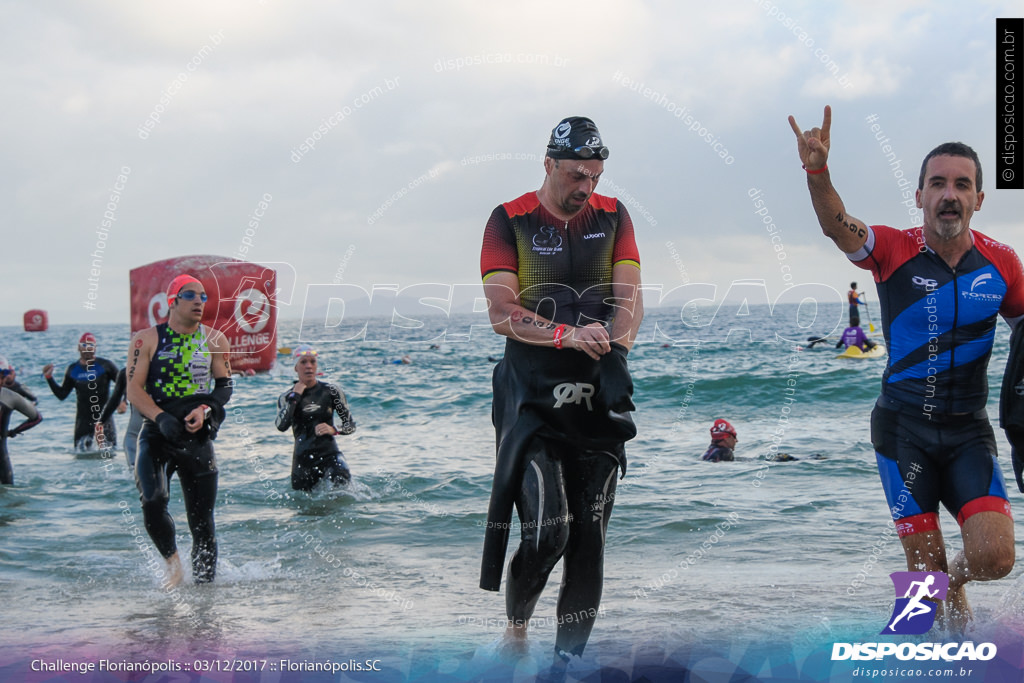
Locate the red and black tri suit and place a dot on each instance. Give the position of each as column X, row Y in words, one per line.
column 557, row 453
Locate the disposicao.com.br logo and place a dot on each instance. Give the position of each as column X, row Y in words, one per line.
column 917, row 594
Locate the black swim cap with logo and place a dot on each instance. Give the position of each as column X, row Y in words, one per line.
column 576, row 137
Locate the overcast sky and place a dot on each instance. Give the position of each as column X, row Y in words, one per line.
column 203, row 106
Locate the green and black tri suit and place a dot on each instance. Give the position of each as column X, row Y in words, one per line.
column 179, row 369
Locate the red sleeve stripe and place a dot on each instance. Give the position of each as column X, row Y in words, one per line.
column 625, row 240
column 886, row 250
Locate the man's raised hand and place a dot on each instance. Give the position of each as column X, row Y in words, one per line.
column 813, row 145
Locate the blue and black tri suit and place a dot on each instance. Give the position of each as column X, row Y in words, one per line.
column 91, row 383
column 932, row 437
column 180, row 368
column 315, row 457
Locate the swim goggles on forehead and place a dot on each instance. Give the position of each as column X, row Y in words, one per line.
column 304, row 351
column 190, row 295
column 585, row 152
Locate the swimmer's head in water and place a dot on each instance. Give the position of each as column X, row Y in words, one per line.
column 722, row 430
column 576, row 137
column 177, row 284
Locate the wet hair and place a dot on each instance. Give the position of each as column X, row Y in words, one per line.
column 853, row 285
column 953, row 149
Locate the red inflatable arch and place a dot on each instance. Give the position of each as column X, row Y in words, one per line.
column 242, row 303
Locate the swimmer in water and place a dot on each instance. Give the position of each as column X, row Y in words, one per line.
column 723, row 441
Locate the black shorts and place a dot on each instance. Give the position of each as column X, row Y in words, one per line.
column 924, row 462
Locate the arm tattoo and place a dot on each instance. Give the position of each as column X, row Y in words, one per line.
column 850, row 225
column 135, row 360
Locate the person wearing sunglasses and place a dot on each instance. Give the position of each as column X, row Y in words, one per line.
column 179, row 379
column 90, row 378
column 561, row 272
column 13, row 398
column 309, row 408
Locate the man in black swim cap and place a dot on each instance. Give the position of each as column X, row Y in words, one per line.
column 562, row 273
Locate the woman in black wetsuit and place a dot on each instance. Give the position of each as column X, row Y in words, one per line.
column 308, row 408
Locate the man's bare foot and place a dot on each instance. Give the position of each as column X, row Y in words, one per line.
column 175, row 573
column 957, row 613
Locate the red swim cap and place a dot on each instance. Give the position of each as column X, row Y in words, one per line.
column 722, row 429
column 87, row 338
column 177, row 284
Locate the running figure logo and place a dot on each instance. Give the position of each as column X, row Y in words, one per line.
column 914, row 613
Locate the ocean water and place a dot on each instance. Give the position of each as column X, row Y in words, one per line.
column 712, row 560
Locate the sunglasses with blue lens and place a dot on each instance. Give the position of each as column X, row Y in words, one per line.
column 190, row 295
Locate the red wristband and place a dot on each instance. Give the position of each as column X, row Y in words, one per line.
column 559, row 331
column 817, row 170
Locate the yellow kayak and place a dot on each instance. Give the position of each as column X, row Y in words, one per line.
column 878, row 351
column 285, row 351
